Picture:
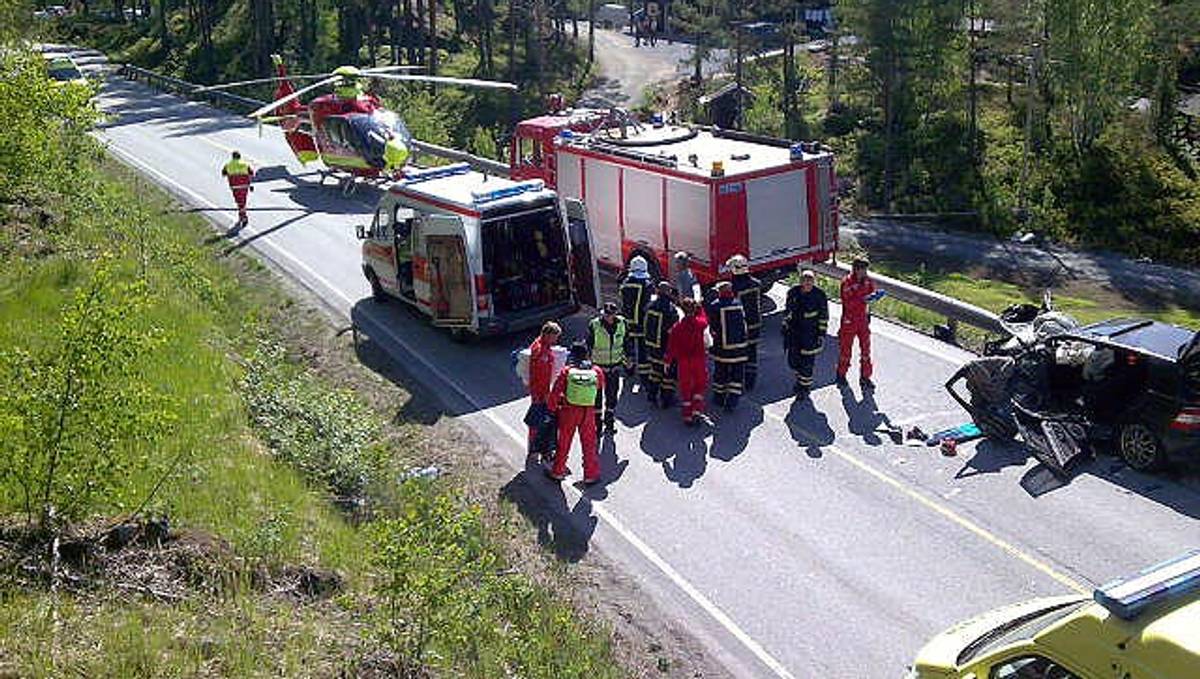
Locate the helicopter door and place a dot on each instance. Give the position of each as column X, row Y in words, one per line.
column 451, row 298
column 585, row 276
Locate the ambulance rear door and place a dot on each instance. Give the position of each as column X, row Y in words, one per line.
column 585, row 274
column 451, row 295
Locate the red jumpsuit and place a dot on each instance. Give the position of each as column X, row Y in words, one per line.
column 571, row 418
column 685, row 347
column 541, row 375
column 239, row 175
column 855, row 323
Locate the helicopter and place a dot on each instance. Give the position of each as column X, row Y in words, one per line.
column 347, row 130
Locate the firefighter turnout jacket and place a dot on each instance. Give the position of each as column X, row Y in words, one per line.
column 748, row 290
column 661, row 315
column 635, row 299
column 805, row 320
column 727, row 323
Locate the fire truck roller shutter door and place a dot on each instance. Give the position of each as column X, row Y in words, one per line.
column 643, row 209
column 604, row 210
column 688, row 218
column 777, row 213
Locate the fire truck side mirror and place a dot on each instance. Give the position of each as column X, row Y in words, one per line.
column 361, row 231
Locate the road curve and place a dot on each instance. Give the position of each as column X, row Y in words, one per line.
column 793, row 538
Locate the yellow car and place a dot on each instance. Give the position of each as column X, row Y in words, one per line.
column 1146, row 626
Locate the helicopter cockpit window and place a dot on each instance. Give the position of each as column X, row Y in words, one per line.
column 338, row 130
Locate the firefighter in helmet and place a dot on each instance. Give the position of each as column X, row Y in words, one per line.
column 661, row 316
column 609, row 342
column 727, row 324
column 634, row 291
column 804, row 325
column 749, row 292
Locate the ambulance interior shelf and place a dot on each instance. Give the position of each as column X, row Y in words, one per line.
column 525, row 261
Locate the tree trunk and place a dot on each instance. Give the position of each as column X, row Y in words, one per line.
column 433, row 38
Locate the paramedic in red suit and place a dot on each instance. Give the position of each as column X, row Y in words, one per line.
column 685, row 349
column 239, row 174
column 857, row 292
column 541, row 377
column 573, row 398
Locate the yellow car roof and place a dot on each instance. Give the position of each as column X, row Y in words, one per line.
column 1163, row 642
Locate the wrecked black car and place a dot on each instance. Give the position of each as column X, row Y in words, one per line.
column 1129, row 386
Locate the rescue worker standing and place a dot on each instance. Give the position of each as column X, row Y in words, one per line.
column 685, row 350
column 685, row 281
column 573, row 399
column 239, row 174
column 727, row 322
column 661, row 316
column 541, row 378
column 635, row 290
column 749, row 292
column 804, row 323
column 857, row 291
column 609, row 342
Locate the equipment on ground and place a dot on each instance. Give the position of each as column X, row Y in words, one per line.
column 655, row 189
column 480, row 254
column 348, row 130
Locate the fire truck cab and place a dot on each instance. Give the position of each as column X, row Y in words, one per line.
column 654, row 189
column 480, row 254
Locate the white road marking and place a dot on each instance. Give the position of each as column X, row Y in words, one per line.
column 608, row 517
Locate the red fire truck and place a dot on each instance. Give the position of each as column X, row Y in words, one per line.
column 655, row 189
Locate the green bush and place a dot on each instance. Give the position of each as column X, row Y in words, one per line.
column 325, row 433
column 451, row 605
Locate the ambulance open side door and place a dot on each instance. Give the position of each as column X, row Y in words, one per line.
column 451, row 298
column 585, row 274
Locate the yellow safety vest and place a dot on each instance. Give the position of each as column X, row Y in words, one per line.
column 582, row 387
column 236, row 168
column 608, row 350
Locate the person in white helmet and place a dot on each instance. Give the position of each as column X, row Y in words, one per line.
column 635, row 290
column 748, row 290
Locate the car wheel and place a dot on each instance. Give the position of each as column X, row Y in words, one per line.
column 1140, row 448
column 377, row 292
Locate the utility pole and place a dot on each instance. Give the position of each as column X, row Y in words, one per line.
column 974, row 56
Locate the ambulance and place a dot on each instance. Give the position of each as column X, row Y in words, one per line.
column 479, row 254
column 1146, row 626
column 654, row 189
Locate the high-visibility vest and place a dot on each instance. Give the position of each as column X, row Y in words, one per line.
column 608, row 350
column 582, row 386
column 237, row 171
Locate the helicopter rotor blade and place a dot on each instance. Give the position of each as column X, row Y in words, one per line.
column 468, row 82
column 257, row 81
column 389, row 69
column 293, row 96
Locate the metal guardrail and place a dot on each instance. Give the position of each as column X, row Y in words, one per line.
column 236, row 102
column 953, row 309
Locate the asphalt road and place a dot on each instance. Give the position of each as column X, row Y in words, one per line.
column 792, row 538
column 624, row 71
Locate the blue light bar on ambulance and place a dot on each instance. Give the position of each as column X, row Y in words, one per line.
column 414, row 176
column 1127, row 597
column 508, row 191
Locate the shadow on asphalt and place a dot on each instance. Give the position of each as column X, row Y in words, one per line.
column 865, row 419
column 565, row 531
column 809, row 427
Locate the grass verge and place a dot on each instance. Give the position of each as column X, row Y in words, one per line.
column 259, row 446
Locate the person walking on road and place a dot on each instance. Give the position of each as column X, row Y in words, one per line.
column 805, row 320
column 541, row 378
column 749, row 292
column 239, row 174
column 727, row 321
column 661, row 316
column 635, row 291
column 685, row 351
column 857, row 292
column 609, row 343
column 573, row 400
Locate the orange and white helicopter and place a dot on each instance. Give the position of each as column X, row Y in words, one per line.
column 348, row 130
